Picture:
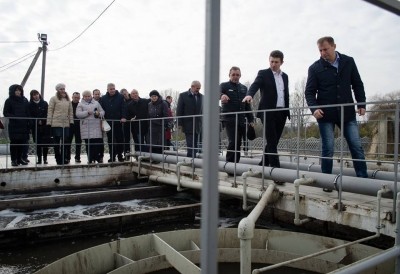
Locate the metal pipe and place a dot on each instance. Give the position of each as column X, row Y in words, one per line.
column 246, row 174
column 140, row 159
column 246, row 230
column 349, row 184
column 235, row 192
column 396, row 153
column 297, row 183
column 313, row 167
column 178, row 174
column 378, row 213
column 397, row 231
column 209, row 193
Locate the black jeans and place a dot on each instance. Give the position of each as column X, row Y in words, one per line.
column 234, row 141
column 115, row 139
column 273, row 126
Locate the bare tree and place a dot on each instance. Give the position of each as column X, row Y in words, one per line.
column 174, row 94
column 298, row 105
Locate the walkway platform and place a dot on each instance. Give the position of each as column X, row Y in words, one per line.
column 358, row 211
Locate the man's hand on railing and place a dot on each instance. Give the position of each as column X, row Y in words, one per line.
column 247, row 99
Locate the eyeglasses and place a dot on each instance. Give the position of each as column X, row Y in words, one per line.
column 234, row 74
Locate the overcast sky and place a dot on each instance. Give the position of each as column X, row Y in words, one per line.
column 159, row 44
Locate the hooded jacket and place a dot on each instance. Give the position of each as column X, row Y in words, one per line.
column 17, row 107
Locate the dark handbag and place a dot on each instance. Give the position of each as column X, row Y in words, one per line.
column 251, row 133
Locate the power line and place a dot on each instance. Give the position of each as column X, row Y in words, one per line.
column 16, row 60
column 15, row 42
column 70, row 42
column 30, row 55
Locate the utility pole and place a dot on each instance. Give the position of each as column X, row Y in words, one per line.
column 43, row 39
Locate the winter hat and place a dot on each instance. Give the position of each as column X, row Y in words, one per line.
column 154, row 92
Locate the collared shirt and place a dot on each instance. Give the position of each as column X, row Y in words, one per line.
column 280, row 102
column 336, row 62
column 195, row 95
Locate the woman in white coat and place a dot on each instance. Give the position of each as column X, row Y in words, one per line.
column 90, row 112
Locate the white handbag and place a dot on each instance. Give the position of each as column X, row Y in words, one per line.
column 105, row 126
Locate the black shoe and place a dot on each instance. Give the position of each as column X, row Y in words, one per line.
column 45, row 162
column 121, row 158
column 100, row 161
column 14, row 163
column 39, row 162
column 22, row 162
column 66, row 162
column 26, row 160
column 78, row 161
column 327, row 190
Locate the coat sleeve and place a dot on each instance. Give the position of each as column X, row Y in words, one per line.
column 101, row 110
column 257, row 84
column 180, row 109
column 7, row 110
column 80, row 113
column 311, row 90
column 50, row 111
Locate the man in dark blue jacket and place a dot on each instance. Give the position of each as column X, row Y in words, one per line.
column 115, row 114
column 190, row 103
column 330, row 81
column 232, row 95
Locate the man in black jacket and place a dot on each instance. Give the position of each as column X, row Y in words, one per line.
column 115, row 114
column 232, row 95
column 137, row 110
column 331, row 80
column 274, row 88
column 191, row 103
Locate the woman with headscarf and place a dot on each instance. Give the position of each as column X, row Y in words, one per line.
column 40, row 131
column 16, row 108
column 59, row 117
column 158, row 109
column 90, row 112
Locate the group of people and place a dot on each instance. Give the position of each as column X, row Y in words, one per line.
column 331, row 80
column 63, row 119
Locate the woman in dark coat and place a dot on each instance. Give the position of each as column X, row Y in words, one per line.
column 16, row 108
column 158, row 108
column 40, row 131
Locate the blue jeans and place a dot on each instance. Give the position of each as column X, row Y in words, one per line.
column 350, row 132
